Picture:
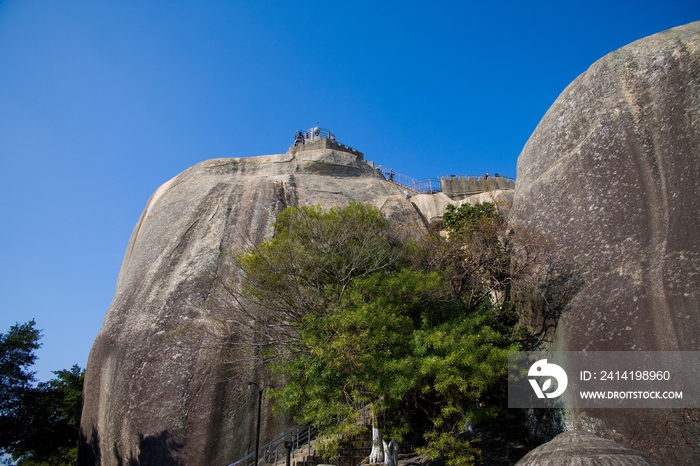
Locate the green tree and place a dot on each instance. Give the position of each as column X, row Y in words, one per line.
column 372, row 321
column 16, row 355
column 39, row 421
column 309, row 266
column 477, row 252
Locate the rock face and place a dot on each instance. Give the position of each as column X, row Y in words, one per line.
column 153, row 396
column 612, row 176
column 583, row 448
column 432, row 206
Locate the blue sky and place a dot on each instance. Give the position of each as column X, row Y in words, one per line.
column 102, row 102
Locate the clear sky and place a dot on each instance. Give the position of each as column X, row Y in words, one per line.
column 103, row 101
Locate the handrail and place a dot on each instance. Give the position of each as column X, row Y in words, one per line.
column 431, row 185
column 428, row 186
column 301, row 436
column 316, row 134
column 312, row 134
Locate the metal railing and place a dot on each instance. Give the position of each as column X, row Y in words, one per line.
column 301, row 438
column 275, row 451
column 316, row 134
column 432, row 185
column 429, row 186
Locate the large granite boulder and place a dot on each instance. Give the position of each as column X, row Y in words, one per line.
column 156, row 391
column 612, row 175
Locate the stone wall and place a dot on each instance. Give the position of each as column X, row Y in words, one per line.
column 463, row 186
column 324, row 143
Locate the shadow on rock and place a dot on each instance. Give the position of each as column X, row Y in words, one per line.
column 154, row 450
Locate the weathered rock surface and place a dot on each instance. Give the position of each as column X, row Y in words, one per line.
column 612, row 176
column 432, row 206
column 153, row 399
column 577, row 448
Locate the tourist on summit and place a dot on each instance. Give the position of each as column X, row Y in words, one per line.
column 486, row 176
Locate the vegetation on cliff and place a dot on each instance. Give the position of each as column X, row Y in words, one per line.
column 365, row 320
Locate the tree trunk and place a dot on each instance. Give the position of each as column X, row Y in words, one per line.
column 383, row 451
column 377, row 453
column 391, row 453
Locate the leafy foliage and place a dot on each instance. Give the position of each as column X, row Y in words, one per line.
column 416, row 332
column 469, row 219
column 39, row 422
column 16, row 355
column 309, row 265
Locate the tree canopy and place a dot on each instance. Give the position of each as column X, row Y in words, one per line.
column 39, row 421
column 359, row 319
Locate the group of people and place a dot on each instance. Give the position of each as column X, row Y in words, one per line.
column 302, row 136
column 495, row 176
